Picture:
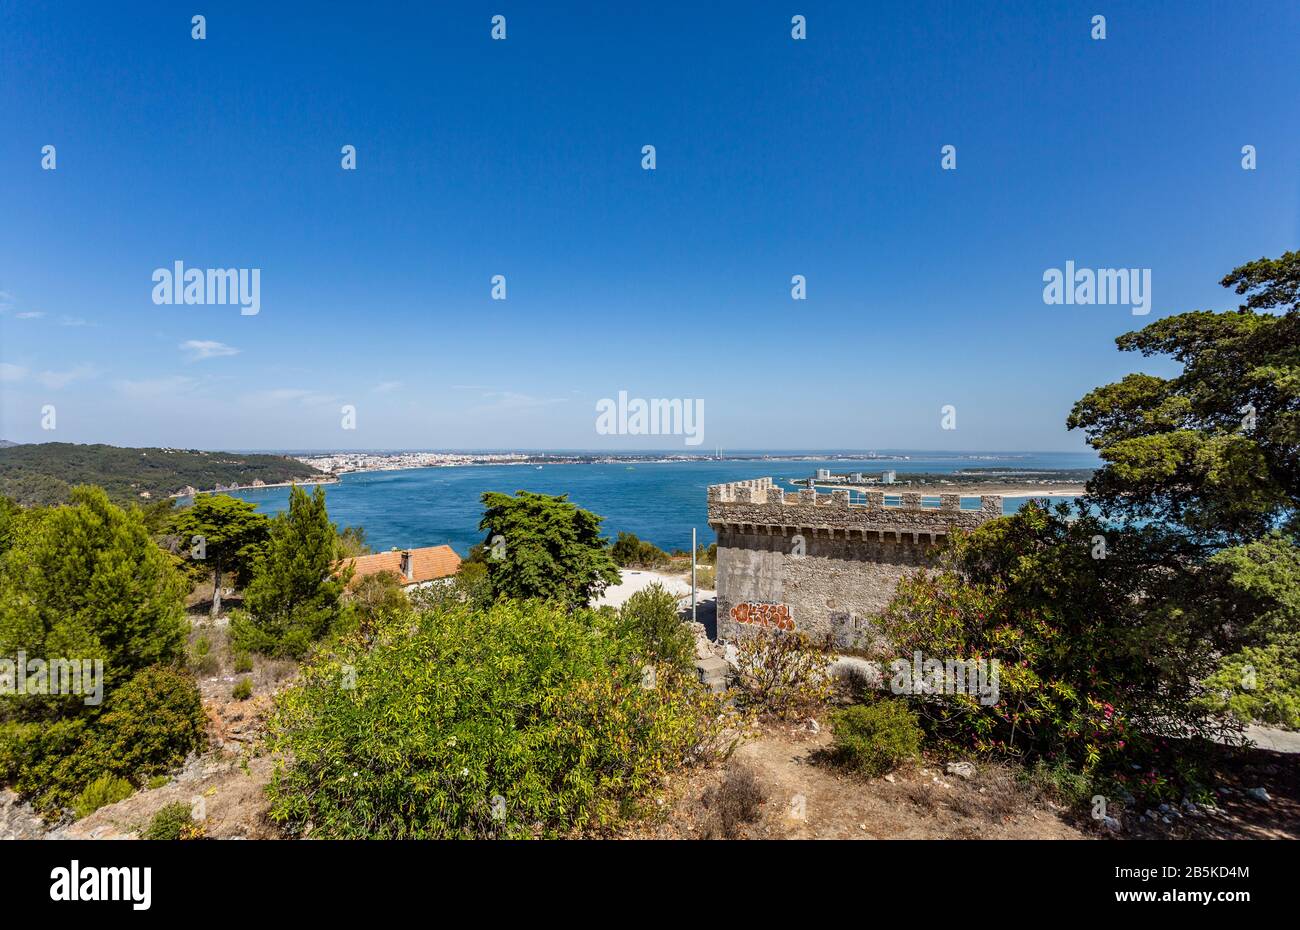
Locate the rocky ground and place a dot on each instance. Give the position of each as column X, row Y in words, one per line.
column 804, row 796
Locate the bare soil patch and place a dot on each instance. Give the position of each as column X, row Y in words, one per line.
column 807, row 797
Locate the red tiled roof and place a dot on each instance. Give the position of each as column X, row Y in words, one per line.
column 428, row 563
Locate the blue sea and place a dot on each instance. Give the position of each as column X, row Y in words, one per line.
column 660, row 501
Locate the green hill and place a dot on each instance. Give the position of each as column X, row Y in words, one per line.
column 44, row 473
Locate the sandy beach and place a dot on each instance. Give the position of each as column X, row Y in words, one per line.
column 1055, row 490
column 634, row 580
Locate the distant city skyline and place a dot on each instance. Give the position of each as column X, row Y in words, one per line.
column 347, row 308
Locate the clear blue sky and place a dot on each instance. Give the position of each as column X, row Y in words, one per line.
column 523, row 157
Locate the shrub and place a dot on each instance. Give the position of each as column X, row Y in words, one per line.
column 1259, row 683
column 242, row 690
column 628, row 550
column 243, row 663
column 152, row 723
column 781, row 673
column 157, row 781
column 705, row 577
column 526, row 719
column 148, row 726
column 1100, row 659
column 377, row 595
column 172, row 822
column 202, row 661
column 105, row 790
column 651, row 614
column 876, row 738
column 1060, row 781
column 737, row 800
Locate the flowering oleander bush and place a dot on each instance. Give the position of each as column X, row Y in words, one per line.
column 519, row 720
column 1100, row 664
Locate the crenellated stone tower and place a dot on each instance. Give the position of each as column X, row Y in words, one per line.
column 823, row 564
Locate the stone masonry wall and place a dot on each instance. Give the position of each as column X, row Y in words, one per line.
column 816, row 563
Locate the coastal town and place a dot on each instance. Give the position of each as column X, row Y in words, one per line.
column 339, row 463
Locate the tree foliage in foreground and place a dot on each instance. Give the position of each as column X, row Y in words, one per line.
column 525, row 719
column 545, row 547
column 1214, row 453
column 1215, row 450
column 1176, row 612
column 1100, row 661
column 83, row 582
column 86, row 581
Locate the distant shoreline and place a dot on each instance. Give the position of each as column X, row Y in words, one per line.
column 328, row 479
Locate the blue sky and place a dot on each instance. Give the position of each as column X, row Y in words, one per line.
column 522, row 157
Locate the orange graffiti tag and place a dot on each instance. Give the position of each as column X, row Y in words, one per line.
column 770, row 615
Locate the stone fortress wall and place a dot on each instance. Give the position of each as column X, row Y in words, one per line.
column 823, row 563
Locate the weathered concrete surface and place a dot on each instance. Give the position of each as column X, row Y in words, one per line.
column 819, row 563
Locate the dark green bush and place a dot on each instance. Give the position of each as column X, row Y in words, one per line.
column 628, row 550
column 526, row 719
column 876, row 738
column 242, row 690
column 148, row 727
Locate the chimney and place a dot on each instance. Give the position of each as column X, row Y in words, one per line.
column 408, row 569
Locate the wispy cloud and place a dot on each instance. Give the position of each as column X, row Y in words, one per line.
column 514, row 400
column 386, row 387
column 305, row 396
column 10, row 372
column 29, row 315
column 200, row 349
column 61, row 379
column 155, row 387
column 74, row 321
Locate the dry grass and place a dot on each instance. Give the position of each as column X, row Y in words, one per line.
column 732, row 804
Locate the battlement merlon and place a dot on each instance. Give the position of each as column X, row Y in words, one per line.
column 758, row 502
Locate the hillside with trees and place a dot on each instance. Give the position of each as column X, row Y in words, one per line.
column 45, row 473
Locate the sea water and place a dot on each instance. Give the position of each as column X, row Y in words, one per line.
column 658, row 501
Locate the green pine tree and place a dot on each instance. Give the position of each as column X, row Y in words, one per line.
column 86, row 581
column 294, row 597
column 225, row 533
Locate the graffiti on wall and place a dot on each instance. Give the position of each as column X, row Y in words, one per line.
column 770, row 615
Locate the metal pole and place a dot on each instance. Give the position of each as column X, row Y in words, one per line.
column 692, row 574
